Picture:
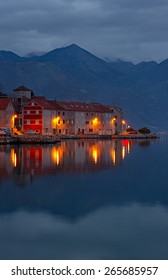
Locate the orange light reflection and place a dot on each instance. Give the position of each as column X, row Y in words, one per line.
column 13, row 157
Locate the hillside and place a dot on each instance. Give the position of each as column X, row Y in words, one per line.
column 72, row 73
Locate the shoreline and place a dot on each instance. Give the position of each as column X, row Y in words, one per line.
column 46, row 139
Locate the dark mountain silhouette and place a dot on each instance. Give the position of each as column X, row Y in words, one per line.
column 72, row 73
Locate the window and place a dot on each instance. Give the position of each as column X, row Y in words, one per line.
column 63, row 113
column 59, row 122
column 32, row 122
column 87, row 114
column 32, row 112
column 90, row 130
column 87, row 122
column 63, row 121
column 58, row 113
column 37, row 121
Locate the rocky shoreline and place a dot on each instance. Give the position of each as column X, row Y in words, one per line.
column 29, row 139
column 46, row 139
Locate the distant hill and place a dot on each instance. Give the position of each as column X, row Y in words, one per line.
column 72, row 73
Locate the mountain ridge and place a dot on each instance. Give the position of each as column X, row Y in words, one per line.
column 73, row 73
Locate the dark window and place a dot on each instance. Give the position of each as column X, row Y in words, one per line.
column 58, row 121
column 115, row 124
column 92, row 114
column 63, row 113
column 58, row 113
column 87, row 122
column 87, row 114
column 90, row 130
column 59, row 131
column 63, row 121
column 32, row 122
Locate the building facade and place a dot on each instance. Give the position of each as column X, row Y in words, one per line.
column 21, row 95
column 7, row 113
column 25, row 112
column 70, row 118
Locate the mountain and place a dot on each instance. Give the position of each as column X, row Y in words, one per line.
column 9, row 56
column 72, row 73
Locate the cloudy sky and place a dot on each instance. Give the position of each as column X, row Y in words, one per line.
column 134, row 30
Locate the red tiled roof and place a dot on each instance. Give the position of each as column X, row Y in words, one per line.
column 84, row 107
column 41, row 100
column 4, row 103
column 55, row 105
column 22, row 88
column 71, row 106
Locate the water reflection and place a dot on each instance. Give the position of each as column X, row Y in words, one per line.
column 24, row 162
column 84, row 200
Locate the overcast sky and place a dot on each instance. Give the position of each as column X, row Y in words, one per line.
column 133, row 30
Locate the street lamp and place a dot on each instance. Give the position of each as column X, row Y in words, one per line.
column 13, row 122
column 56, row 122
column 113, row 125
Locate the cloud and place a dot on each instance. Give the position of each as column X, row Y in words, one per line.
column 134, row 232
column 129, row 29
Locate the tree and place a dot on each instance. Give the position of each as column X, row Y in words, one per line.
column 129, row 129
column 144, row 130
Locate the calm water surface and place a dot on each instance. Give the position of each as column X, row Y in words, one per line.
column 84, row 200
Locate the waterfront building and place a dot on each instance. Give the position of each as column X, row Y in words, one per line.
column 26, row 112
column 7, row 113
column 70, row 118
column 21, row 95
